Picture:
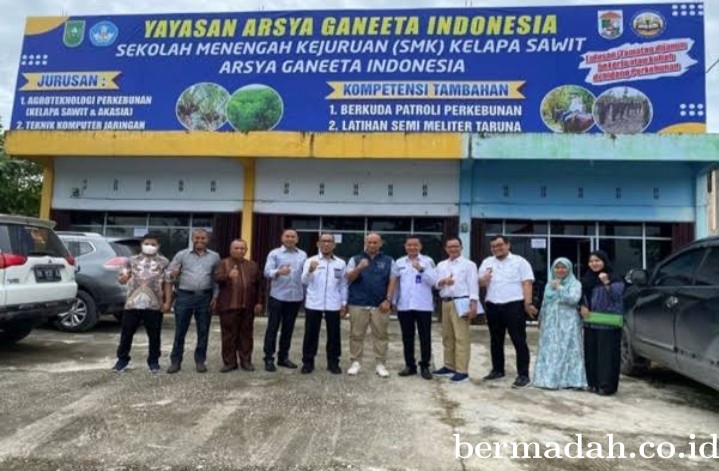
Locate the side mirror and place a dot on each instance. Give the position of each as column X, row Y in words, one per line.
column 639, row 277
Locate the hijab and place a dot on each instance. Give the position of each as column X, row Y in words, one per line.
column 591, row 280
column 567, row 280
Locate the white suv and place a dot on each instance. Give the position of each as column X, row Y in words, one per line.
column 37, row 276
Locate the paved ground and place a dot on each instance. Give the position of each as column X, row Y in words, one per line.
column 62, row 409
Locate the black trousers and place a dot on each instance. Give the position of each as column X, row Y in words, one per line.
column 131, row 319
column 503, row 318
column 310, row 344
column 282, row 317
column 423, row 321
column 602, row 358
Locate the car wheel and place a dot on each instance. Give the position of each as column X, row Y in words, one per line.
column 81, row 317
column 14, row 333
column 632, row 364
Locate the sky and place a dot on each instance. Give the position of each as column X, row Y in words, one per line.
column 14, row 12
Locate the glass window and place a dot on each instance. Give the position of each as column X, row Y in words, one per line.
column 127, row 219
column 432, row 247
column 96, row 229
column 394, row 245
column 172, row 240
column 572, row 228
column 708, row 273
column 351, row 245
column 120, row 232
column 679, row 270
column 343, row 224
column 428, row 225
column 657, row 250
column 659, row 230
column 493, row 227
column 87, row 218
column 302, row 223
column 389, row 225
column 202, row 220
column 24, row 240
column 621, row 230
column 625, row 254
column 526, row 227
column 170, row 220
column 308, row 242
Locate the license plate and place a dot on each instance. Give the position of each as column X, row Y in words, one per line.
column 47, row 274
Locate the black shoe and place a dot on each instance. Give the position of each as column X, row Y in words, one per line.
column 335, row 369
column 200, row 368
column 287, row 364
column 270, row 366
column 247, row 366
column 174, row 368
column 424, row 371
column 493, row 375
column 307, row 369
column 604, row 392
column 407, row 371
column 228, row 368
column 521, row 382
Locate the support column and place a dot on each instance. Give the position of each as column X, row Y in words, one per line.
column 466, row 181
column 701, row 205
column 248, row 205
column 48, row 186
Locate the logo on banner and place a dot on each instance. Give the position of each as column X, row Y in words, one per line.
column 610, row 23
column 74, row 33
column 648, row 24
column 103, row 33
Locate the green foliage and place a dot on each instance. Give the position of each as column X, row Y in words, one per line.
column 20, row 184
column 202, row 107
column 254, row 109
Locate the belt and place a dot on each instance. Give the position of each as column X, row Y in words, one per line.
column 449, row 300
column 195, row 293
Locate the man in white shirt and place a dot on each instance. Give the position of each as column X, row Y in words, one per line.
column 508, row 279
column 284, row 269
column 413, row 298
column 459, row 290
column 324, row 277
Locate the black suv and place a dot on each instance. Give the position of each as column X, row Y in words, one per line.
column 673, row 316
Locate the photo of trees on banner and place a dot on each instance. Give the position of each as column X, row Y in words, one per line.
column 623, row 69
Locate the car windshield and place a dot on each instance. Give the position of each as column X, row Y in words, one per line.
column 30, row 240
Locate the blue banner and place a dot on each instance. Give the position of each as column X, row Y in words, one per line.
column 621, row 69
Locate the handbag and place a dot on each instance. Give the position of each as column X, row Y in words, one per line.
column 605, row 318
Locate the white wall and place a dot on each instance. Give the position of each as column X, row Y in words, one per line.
column 121, row 184
column 419, row 188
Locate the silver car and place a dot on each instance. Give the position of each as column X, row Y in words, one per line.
column 99, row 259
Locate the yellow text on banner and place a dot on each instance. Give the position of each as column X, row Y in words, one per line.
column 42, row 81
column 423, row 90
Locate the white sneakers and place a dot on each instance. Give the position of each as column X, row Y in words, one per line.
column 382, row 371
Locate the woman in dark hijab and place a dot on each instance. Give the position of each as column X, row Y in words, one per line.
column 602, row 292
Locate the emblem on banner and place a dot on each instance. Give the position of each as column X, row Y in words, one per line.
column 648, row 24
column 74, row 33
column 103, row 33
column 610, row 23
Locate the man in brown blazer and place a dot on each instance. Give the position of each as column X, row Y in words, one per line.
column 241, row 284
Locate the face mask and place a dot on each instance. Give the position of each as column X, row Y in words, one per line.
column 148, row 249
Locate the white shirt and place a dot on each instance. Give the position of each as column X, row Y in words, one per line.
column 507, row 277
column 414, row 292
column 464, row 273
column 576, row 105
column 327, row 285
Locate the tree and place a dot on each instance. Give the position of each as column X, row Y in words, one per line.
column 20, row 184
